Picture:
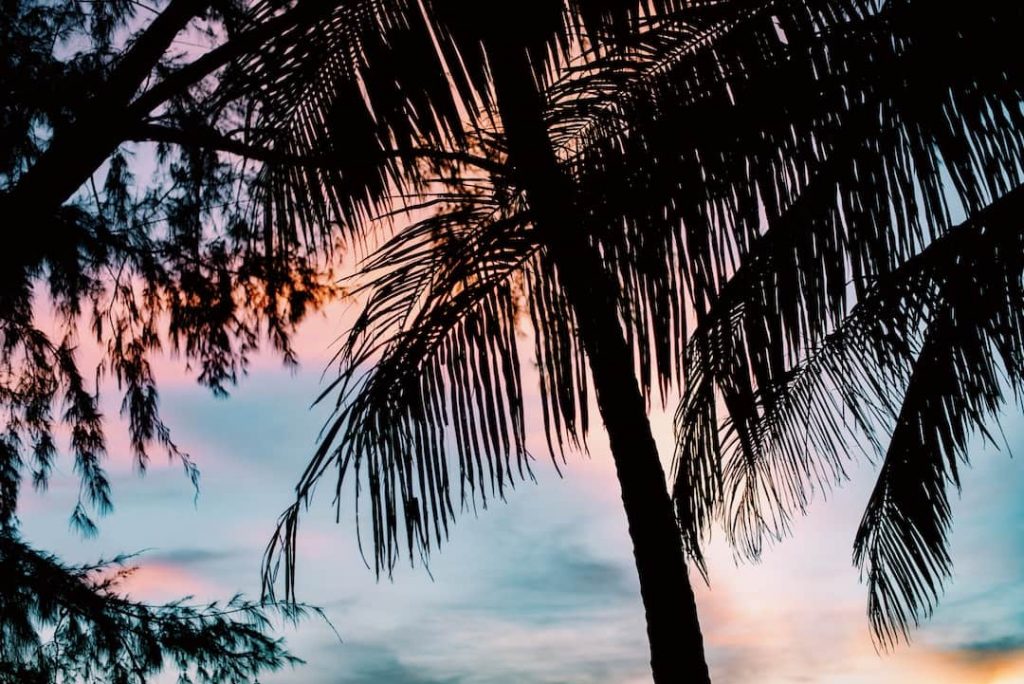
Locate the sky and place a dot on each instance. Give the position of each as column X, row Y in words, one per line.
column 540, row 589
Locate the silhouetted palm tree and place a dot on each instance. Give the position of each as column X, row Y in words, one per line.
column 771, row 164
column 443, row 308
column 782, row 167
column 878, row 308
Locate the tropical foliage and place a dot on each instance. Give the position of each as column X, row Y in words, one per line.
column 803, row 211
column 766, row 183
column 844, row 325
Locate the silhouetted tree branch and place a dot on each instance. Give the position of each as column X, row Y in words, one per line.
column 96, row 634
column 212, row 139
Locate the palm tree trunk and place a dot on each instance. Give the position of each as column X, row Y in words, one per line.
column 676, row 643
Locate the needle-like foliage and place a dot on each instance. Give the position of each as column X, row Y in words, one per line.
column 119, row 252
column 96, row 634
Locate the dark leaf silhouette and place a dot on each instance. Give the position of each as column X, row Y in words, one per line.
column 770, row 207
column 832, row 332
column 753, row 170
column 96, row 634
column 119, row 252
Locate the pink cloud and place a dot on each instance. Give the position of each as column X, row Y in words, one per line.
column 161, row 582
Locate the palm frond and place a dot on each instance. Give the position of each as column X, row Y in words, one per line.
column 970, row 358
column 732, row 156
column 431, row 368
column 927, row 358
column 868, row 191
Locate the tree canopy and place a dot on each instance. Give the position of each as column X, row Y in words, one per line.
column 128, row 242
column 787, row 198
column 94, row 634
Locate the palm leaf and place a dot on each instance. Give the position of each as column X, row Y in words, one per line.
column 922, row 359
column 870, row 197
column 431, row 370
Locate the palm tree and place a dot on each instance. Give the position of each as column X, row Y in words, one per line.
column 638, row 159
column 598, row 170
column 445, row 341
column 878, row 310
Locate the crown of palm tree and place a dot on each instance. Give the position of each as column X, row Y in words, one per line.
column 772, row 185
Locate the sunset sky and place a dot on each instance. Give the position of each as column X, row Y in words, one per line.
column 541, row 589
column 849, row 171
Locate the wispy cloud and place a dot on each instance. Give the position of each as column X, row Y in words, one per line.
column 191, row 556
